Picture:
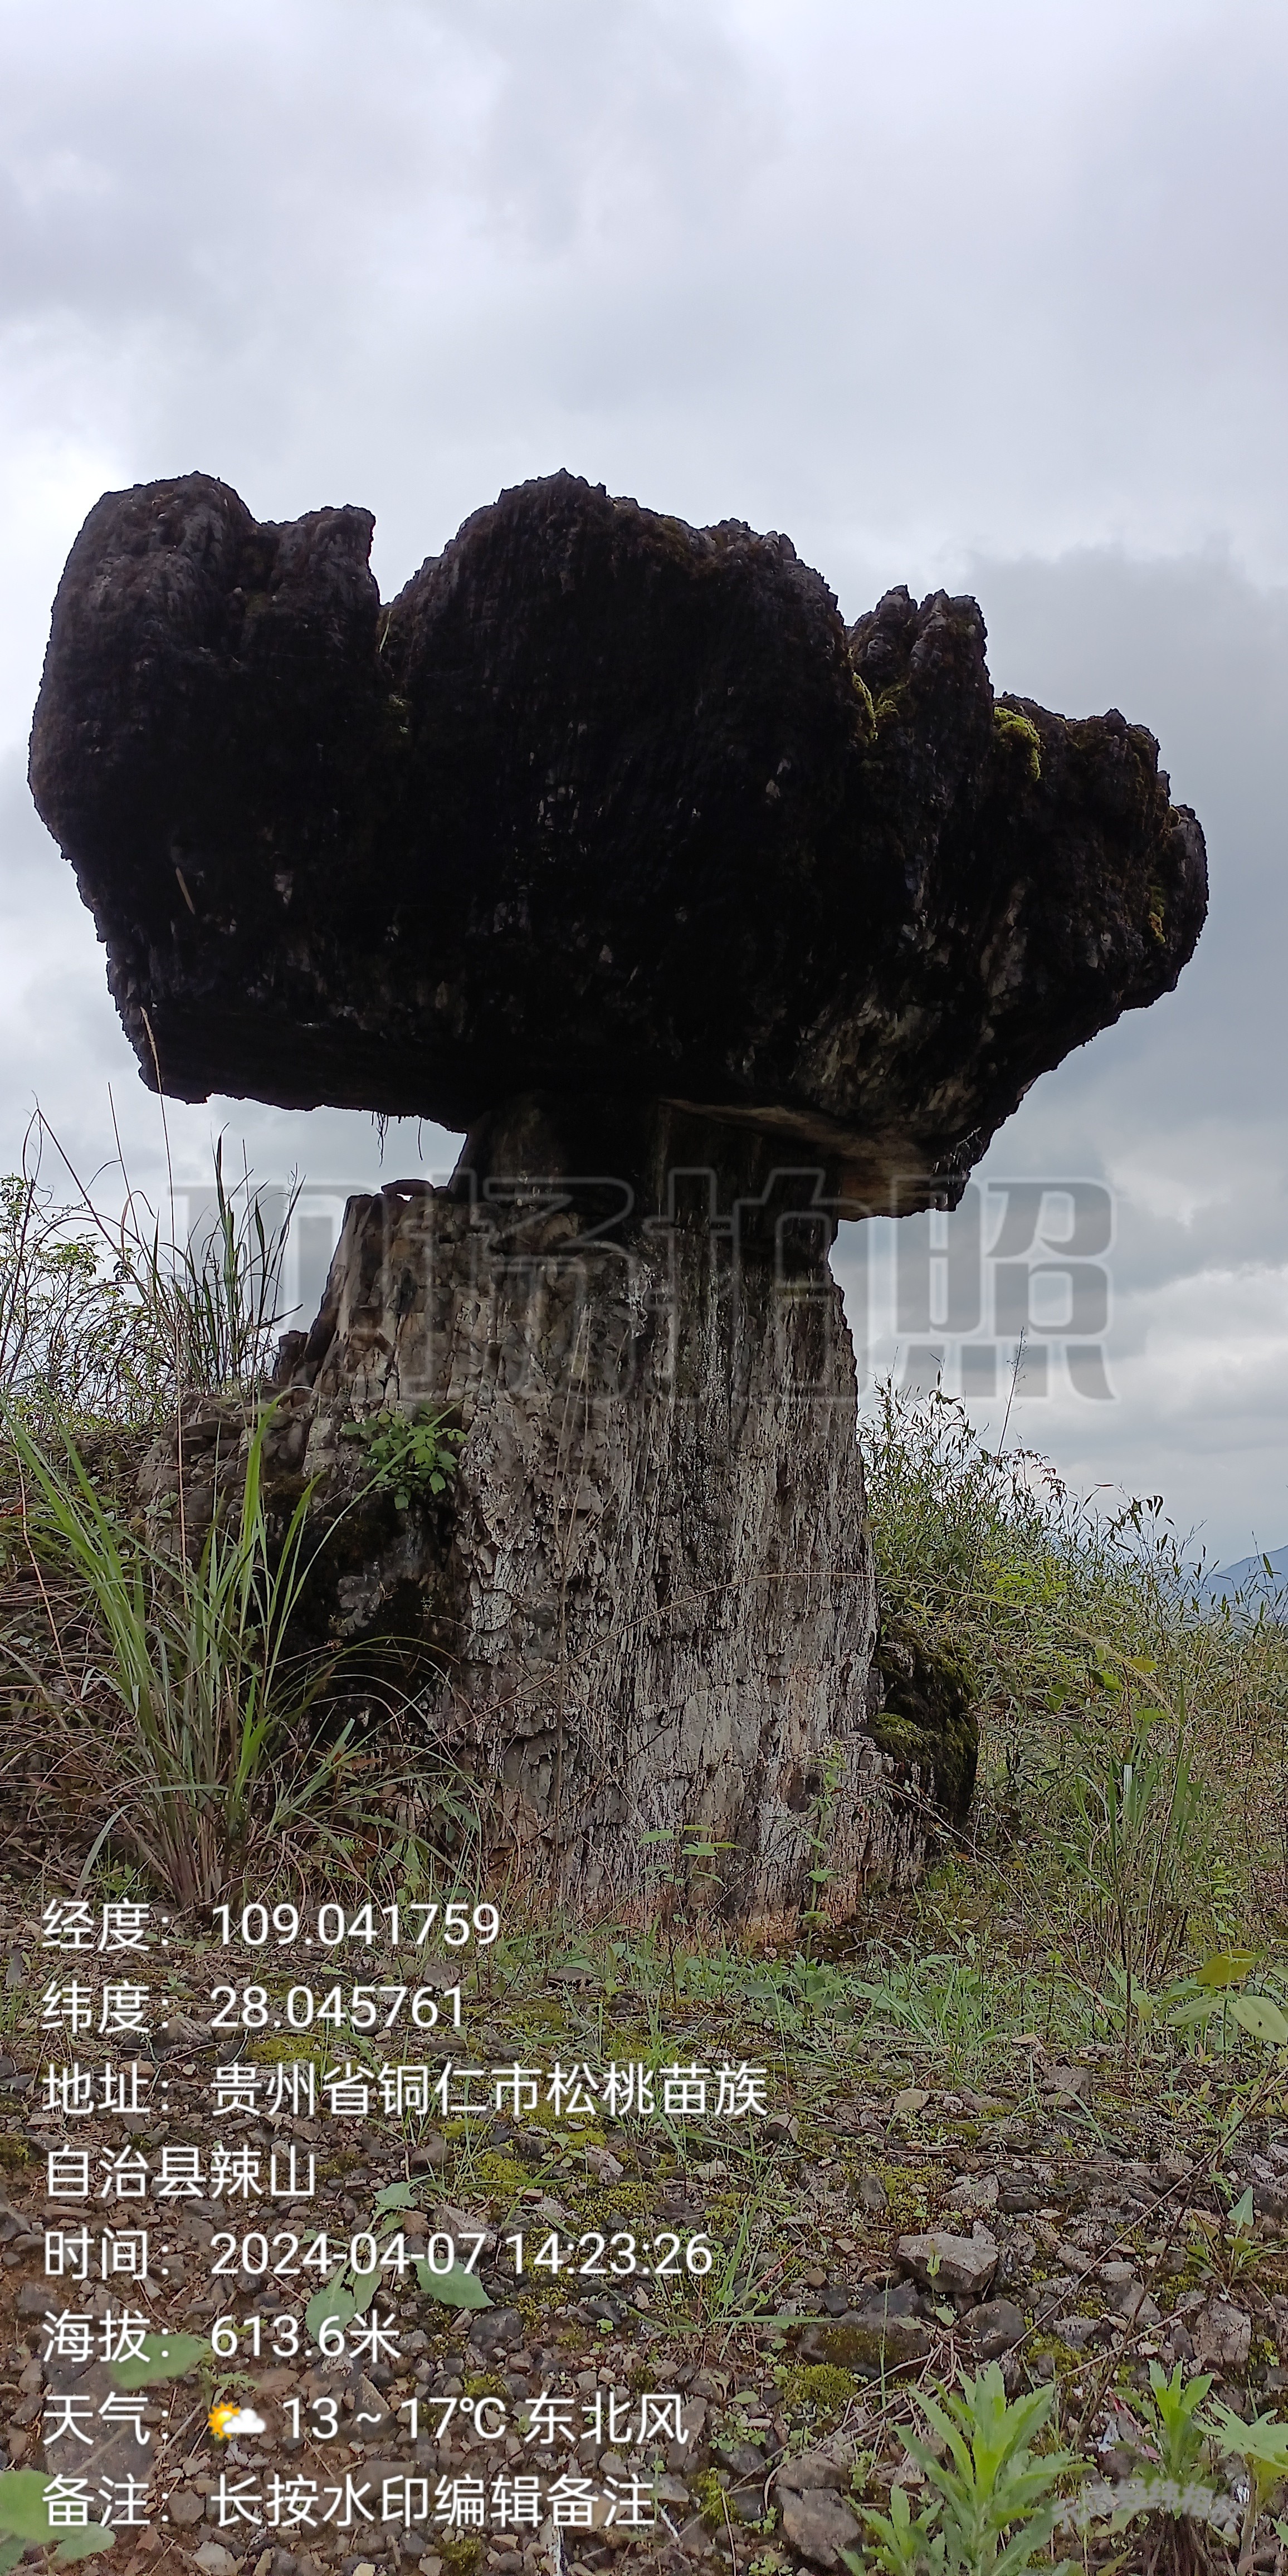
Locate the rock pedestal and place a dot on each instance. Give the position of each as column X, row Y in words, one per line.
column 648, row 1602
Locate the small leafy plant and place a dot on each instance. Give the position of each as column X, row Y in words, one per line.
column 32, row 2508
column 906, row 2546
column 822, row 1814
column 413, row 1456
column 163, row 2357
column 1169, row 2418
column 1176, row 2490
column 1136, row 1806
column 992, row 2507
column 1262, row 2446
column 1226, row 2251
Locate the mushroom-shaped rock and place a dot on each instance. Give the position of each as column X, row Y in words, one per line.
column 601, row 805
column 710, row 921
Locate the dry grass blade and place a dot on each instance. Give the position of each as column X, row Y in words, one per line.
column 221, row 1708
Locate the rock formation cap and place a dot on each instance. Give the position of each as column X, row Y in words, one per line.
column 601, row 806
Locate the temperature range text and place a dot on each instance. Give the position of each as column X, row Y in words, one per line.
column 280, row 1925
column 364, row 2007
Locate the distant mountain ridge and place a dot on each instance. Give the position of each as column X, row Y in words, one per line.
column 1250, row 1579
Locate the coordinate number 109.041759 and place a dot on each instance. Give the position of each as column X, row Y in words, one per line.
column 413, row 1925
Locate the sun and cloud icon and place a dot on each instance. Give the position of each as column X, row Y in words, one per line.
column 227, row 2421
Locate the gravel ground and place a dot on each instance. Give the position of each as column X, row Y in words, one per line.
column 869, row 2236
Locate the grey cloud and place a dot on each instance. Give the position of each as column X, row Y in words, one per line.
column 962, row 277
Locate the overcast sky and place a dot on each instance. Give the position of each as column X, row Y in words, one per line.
column 988, row 296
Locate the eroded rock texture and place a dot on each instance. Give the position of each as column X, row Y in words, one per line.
column 644, row 1616
column 600, row 803
column 709, row 921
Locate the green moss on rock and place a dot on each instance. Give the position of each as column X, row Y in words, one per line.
column 1020, row 735
column 818, row 2389
column 867, row 2350
column 928, row 1719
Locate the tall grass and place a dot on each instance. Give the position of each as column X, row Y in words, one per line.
column 1133, row 1800
column 109, row 1319
column 220, row 1737
column 214, row 1301
column 196, row 1722
column 996, row 1550
column 77, row 1339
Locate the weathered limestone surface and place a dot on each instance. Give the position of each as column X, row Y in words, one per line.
column 651, row 1601
column 608, row 842
column 600, row 804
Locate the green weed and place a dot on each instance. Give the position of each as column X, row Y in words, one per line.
column 1170, row 2420
column 993, row 2506
column 413, row 1456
